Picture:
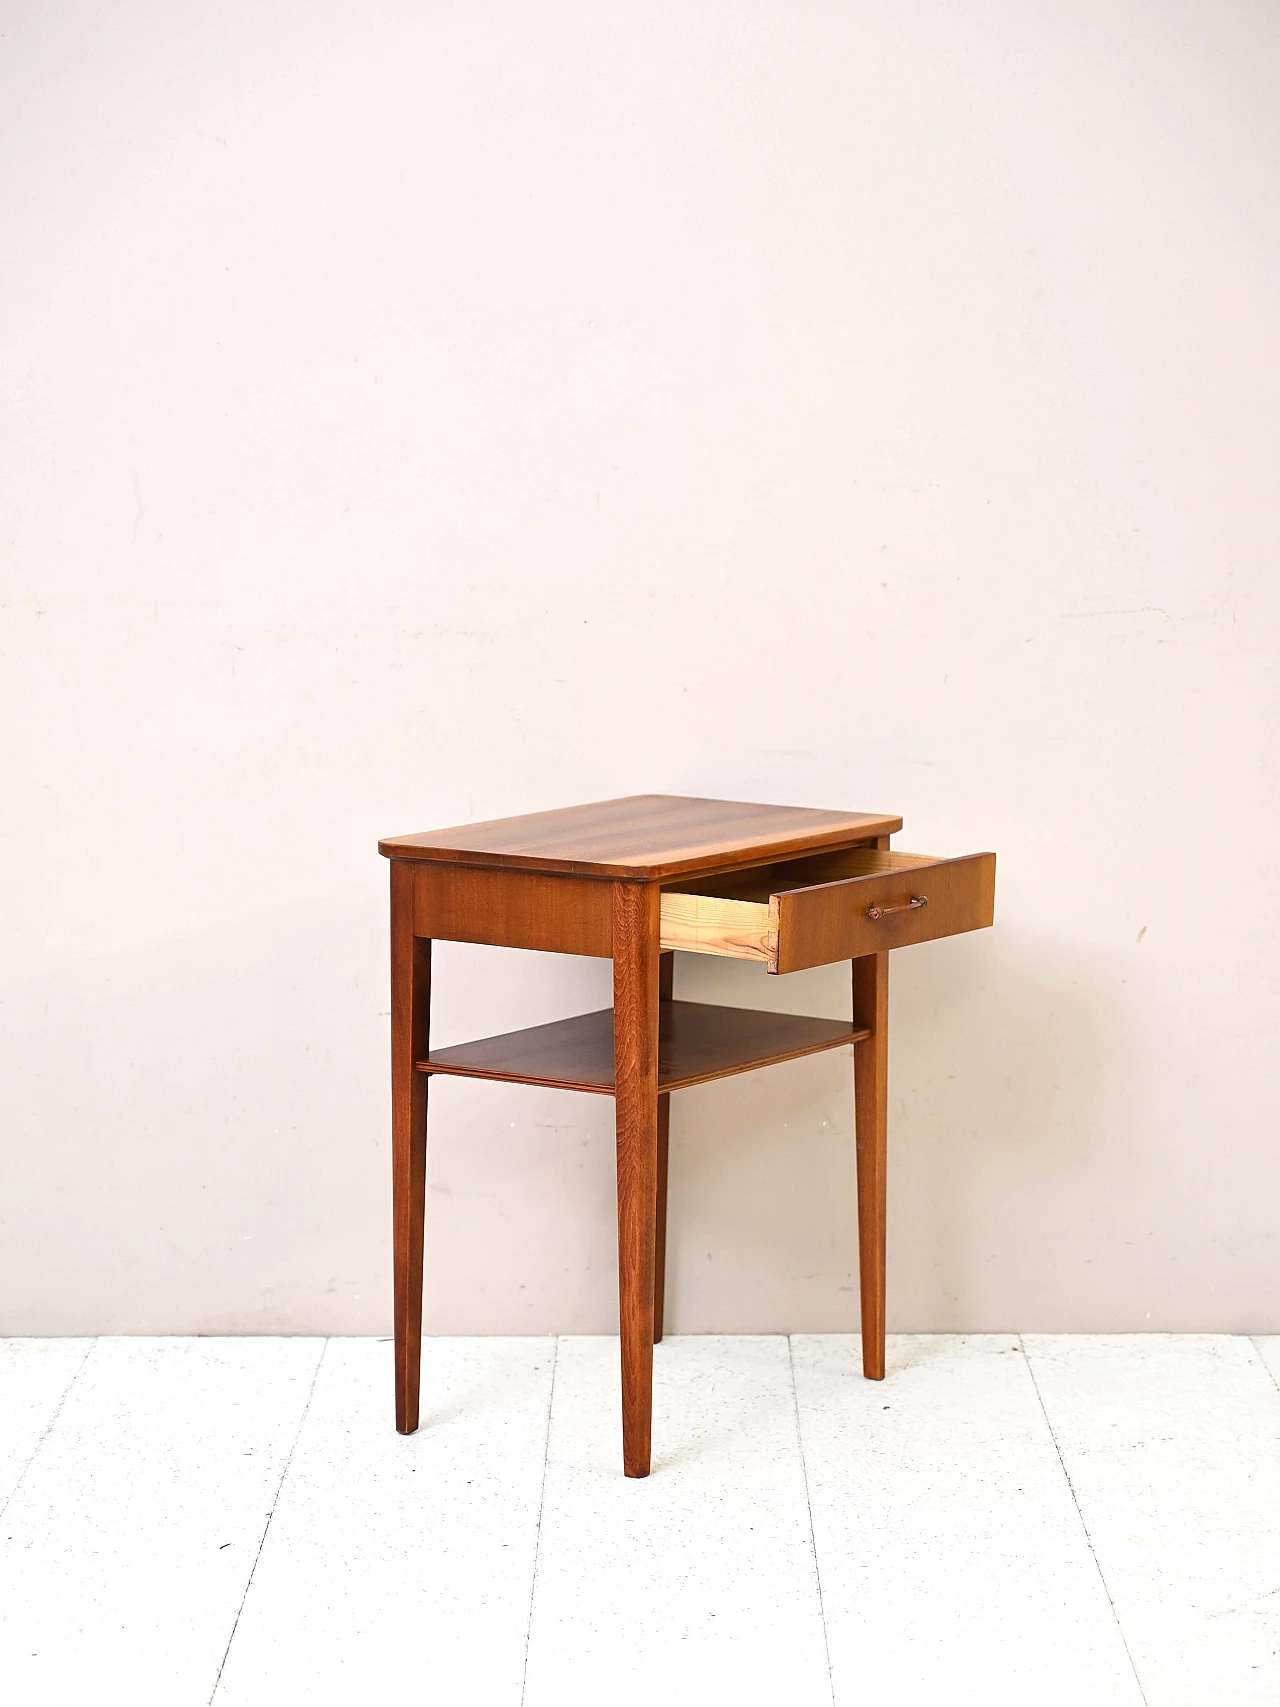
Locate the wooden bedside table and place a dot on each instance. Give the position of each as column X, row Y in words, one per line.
column 633, row 880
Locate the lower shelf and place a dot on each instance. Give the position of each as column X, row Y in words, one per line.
column 696, row 1042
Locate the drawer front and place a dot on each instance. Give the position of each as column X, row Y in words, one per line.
column 865, row 915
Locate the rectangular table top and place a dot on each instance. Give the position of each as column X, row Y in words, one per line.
column 646, row 836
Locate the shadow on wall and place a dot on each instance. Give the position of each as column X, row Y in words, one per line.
column 1008, row 1074
column 1013, row 1065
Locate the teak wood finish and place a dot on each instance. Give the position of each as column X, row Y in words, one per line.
column 666, row 990
column 410, row 1027
column 633, row 880
column 648, row 837
column 696, row 1040
column 811, row 912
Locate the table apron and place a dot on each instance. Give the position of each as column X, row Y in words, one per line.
column 513, row 909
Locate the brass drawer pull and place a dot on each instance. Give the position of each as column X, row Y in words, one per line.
column 905, row 907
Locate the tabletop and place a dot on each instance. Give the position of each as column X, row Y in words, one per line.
column 650, row 837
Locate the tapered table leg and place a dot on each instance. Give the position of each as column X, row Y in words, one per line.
column 666, row 968
column 636, row 937
column 410, row 1022
column 871, row 1106
column 660, row 1218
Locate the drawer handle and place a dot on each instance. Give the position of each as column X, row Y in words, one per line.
column 904, row 907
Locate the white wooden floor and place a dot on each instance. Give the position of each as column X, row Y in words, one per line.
column 1085, row 1521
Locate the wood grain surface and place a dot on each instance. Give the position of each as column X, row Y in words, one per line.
column 719, row 924
column 648, row 836
column 666, row 988
column 513, row 909
column 636, row 878
column 697, row 1042
column 829, row 922
column 811, row 912
column 410, row 1041
column 871, row 1121
column 635, row 1115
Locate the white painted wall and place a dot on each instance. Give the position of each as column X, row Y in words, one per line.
column 418, row 413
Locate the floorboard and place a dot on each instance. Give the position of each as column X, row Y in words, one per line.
column 35, row 1376
column 1172, row 1444
column 954, row 1564
column 697, row 1583
column 1085, row 1520
column 1267, row 1347
column 399, row 1567
column 127, row 1548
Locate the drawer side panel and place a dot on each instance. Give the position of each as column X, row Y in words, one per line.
column 712, row 924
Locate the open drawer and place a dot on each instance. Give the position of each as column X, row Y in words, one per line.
column 809, row 912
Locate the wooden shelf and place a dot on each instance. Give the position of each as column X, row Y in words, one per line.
column 696, row 1042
